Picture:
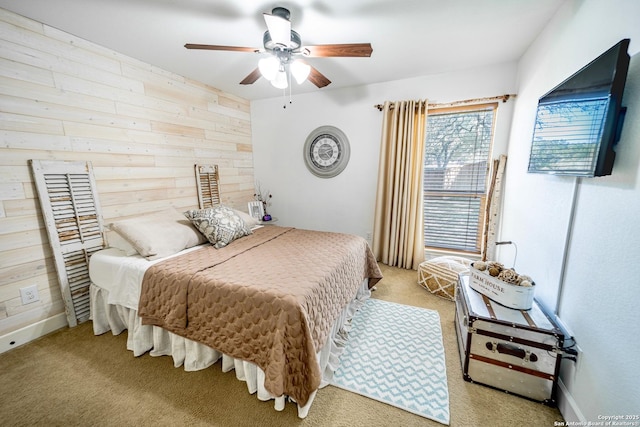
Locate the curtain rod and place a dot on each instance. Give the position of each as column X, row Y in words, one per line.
column 503, row 98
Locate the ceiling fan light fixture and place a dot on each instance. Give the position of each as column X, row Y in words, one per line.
column 270, row 43
column 280, row 80
column 300, row 71
column 269, row 67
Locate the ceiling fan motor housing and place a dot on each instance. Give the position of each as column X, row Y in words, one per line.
column 269, row 44
column 281, row 12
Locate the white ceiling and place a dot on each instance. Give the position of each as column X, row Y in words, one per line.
column 409, row 37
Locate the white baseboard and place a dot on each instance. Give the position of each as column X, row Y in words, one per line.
column 32, row 332
column 568, row 406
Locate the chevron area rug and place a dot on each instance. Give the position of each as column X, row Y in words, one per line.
column 395, row 355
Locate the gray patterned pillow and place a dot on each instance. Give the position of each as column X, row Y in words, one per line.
column 220, row 225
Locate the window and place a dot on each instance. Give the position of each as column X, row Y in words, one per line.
column 456, row 164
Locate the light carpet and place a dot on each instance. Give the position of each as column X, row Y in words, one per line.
column 395, row 355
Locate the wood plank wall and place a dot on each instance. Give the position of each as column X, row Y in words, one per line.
column 142, row 128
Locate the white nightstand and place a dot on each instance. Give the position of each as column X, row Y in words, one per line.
column 273, row 219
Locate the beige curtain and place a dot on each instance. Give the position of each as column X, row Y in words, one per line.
column 398, row 237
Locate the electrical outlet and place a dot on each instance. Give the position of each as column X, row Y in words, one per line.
column 29, row 294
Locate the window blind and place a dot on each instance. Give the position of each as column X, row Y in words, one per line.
column 567, row 136
column 456, row 164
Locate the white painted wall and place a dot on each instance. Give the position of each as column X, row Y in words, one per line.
column 346, row 203
column 601, row 289
column 601, row 292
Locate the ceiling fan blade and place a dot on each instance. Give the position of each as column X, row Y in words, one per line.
column 344, row 50
column 218, row 47
column 318, row 79
column 252, row 77
column 279, row 29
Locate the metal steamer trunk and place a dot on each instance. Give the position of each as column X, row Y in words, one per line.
column 518, row 351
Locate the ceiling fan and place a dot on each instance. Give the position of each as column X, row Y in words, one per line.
column 286, row 49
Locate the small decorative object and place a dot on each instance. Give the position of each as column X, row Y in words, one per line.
column 479, row 265
column 256, row 210
column 267, row 217
column 524, row 278
column 494, row 264
column 503, row 285
column 263, row 197
column 508, row 275
column 326, row 151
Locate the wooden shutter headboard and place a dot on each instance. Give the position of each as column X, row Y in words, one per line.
column 71, row 211
column 208, row 186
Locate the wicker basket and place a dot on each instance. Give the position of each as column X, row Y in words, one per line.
column 440, row 275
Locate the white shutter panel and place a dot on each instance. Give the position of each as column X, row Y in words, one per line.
column 208, row 185
column 71, row 211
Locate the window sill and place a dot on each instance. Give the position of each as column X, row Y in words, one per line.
column 430, row 253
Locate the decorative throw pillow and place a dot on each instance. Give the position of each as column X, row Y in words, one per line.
column 220, row 224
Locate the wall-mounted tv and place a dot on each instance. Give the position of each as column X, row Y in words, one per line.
column 579, row 121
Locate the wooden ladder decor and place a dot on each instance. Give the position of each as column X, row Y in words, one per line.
column 208, row 185
column 493, row 208
column 71, row 211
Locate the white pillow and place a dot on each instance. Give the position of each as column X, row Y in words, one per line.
column 249, row 221
column 117, row 241
column 159, row 234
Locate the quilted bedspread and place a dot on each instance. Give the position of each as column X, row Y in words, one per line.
column 270, row 298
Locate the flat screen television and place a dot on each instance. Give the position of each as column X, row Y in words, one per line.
column 579, row 121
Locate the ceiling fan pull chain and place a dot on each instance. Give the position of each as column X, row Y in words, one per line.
column 284, row 98
column 290, row 83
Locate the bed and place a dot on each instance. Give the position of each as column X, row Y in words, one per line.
column 273, row 303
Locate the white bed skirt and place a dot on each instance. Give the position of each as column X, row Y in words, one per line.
column 195, row 356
